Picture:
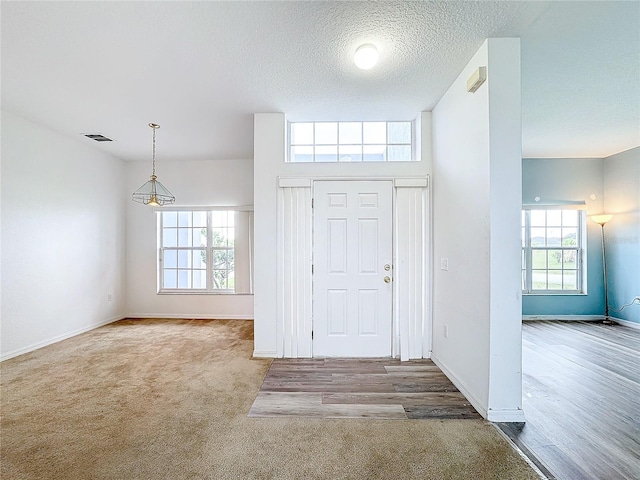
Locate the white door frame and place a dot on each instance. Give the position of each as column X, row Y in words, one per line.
column 412, row 327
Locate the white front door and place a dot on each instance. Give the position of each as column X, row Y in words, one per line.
column 352, row 274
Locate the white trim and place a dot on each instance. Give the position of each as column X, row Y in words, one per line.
column 567, row 318
column 410, row 182
column 475, row 402
column 201, row 208
column 556, row 205
column 58, row 338
column 264, row 353
column 290, row 182
column 189, row 316
column 626, row 323
column 507, row 415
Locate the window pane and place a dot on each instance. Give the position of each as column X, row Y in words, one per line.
column 301, row 154
column 570, row 218
column 538, row 237
column 183, row 259
column 199, row 258
column 569, row 237
column 219, row 218
column 199, row 237
column 169, row 219
column 184, row 279
column 184, row 219
column 170, row 259
column 326, row 133
column 570, row 280
column 350, row 153
column 399, row 132
column 374, row 153
column 554, row 258
column 326, row 154
column 554, row 218
column 554, row 280
column 350, row 132
column 538, row 218
column 302, row 134
column 539, row 279
column 170, row 279
column 399, row 153
column 374, row 132
column 184, row 237
column 220, row 279
column 522, row 237
column 200, row 219
column 169, row 237
column 553, row 237
column 569, row 258
column 199, row 279
column 219, row 237
column 539, row 259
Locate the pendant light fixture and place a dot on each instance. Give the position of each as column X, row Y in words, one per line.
column 153, row 192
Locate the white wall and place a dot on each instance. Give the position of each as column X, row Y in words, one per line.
column 622, row 233
column 194, row 183
column 62, row 237
column 476, row 210
column 269, row 163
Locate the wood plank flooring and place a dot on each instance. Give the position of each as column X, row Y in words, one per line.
column 581, row 399
column 359, row 388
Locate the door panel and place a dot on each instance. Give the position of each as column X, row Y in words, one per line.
column 352, row 303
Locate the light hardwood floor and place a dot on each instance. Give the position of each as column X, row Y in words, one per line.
column 581, row 398
column 357, row 388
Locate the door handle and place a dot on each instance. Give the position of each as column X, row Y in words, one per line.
column 387, row 279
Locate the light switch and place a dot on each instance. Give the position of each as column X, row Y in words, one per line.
column 444, row 264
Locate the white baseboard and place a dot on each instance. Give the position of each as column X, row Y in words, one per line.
column 265, row 354
column 189, row 316
column 477, row 404
column 57, row 338
column 570, row 318
column 626, row 323
column 506, row 415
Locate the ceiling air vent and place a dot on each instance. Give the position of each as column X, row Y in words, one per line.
column 97, row 137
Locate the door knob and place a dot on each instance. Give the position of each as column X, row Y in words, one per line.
column 387, row 279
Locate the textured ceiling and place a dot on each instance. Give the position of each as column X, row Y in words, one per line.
column 201, row 69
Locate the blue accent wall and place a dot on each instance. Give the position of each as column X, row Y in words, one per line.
column 574, row 179
column 622, row 233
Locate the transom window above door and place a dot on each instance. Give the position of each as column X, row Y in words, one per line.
column 351, row 142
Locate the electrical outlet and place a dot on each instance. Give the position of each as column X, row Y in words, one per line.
column 446, row 331
column 109, row 297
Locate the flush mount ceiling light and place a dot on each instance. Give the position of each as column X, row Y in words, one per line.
column 153, row 192
column 366, row 56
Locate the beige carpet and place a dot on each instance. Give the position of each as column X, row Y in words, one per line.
column 168, row 399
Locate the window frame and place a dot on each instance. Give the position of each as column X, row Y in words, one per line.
column 527, row 250
column 209, row 249
column 362, row 144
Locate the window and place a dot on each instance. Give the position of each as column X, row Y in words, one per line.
column 553, row 251
column 351, row 142
column 204, row 251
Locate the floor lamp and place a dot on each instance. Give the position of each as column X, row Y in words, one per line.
column 602, row 220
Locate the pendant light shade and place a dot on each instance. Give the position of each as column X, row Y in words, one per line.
column 153, row 192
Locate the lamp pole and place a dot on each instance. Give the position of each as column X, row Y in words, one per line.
column 604, row 272
column 602, row 220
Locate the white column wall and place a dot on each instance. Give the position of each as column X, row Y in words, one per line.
column 476, row 231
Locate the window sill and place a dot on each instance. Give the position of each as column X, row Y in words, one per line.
column 554, row 294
